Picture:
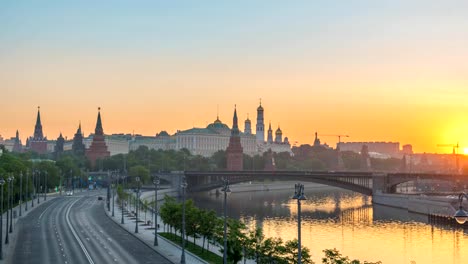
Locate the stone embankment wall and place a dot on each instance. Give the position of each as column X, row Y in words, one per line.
column 421, row 204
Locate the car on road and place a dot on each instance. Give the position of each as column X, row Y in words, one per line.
column 99, row 198
column 69, row 193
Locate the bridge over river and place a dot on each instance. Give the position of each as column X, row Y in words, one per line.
column 362, row 182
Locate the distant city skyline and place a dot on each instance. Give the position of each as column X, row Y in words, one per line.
column 377, row 71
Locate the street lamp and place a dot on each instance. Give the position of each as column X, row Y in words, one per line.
column 461, row 216
column 38, row 192
column 11, row 206
column 2, row 182
column 113, row 194
column 137, row 179
column 21, row 193
column 45, row 186
column 226, row 191
column 27, row 191
column 122, row 199
column 299, row 196
column 156, row 182
column 183, row 186
column 33, row 175
column 8, row 209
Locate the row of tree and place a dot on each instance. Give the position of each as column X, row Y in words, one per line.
column 37, row 175
column 241, row 242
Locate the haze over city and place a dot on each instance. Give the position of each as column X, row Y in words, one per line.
column 392, row 71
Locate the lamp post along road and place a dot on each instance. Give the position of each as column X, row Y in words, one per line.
column 183, row 186
column 21, row 193
column 122, row 199
column 2, row 182
column 226, row 191
column 34, row 187
column 113, row 192
column 45, row 186
column 11, row 206
column 461, row 216
column 137, row 203
column 156, row 182
column 8, row 209
column 38, row 191
column 299, row 196
column 27, row 192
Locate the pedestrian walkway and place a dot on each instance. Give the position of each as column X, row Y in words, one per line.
column 165, row 247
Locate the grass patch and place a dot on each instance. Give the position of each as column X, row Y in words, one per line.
column 206, row 255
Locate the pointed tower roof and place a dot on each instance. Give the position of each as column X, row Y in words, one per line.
column 235, row 127
column 98, row 130
column 38, row 135
column 269, row 128
column 79, row 129
column 38, row 119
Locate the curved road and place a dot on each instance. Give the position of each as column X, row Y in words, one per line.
column 75, row 229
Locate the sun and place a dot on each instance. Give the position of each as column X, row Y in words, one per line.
column 465, row 151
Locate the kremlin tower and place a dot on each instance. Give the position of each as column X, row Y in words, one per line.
column 260, row 126
column 270, row 134
column 78, row 147
column 38, row 142
column 98, row 148
column 17, row 145
column 234, row 151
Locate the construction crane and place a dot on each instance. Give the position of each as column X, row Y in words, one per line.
column 339, row 136
column 455, row 148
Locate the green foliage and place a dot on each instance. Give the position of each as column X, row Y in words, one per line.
column 140, row 171
column 333, row 256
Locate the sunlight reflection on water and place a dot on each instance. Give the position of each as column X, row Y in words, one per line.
column 334, row 218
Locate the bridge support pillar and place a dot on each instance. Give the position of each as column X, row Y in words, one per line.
column 379, row 183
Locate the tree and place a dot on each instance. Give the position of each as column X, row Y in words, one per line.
column 140, row 171
column 333, row 256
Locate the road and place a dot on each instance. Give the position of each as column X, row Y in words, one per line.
column 75, row 229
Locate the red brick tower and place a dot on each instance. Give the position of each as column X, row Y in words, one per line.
column 98, row 148
column 234, row 151
column 38, row 142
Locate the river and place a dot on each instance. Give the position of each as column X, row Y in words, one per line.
column 347, row 221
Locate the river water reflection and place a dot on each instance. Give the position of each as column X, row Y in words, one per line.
column 347, row 221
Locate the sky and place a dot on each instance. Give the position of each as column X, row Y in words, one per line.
column 373, row 70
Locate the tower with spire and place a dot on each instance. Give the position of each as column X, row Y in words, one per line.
column 260, row 133
column 270, row 134
column 17, row 147
column 234, row 151
column 38, row 143
column 98, row 148
column 59, row 146
column 248, row 126
column 78, row 147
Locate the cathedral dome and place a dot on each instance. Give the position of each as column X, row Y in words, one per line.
column 217, row 124
column 278, row 131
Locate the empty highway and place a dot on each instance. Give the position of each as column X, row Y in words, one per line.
column 75, row 229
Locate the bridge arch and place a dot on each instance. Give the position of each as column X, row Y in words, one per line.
column 357, row 182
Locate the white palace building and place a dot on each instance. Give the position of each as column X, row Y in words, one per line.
column 215, row 137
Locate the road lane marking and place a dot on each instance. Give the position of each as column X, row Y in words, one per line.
column 45, row 211
column 76, row 236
